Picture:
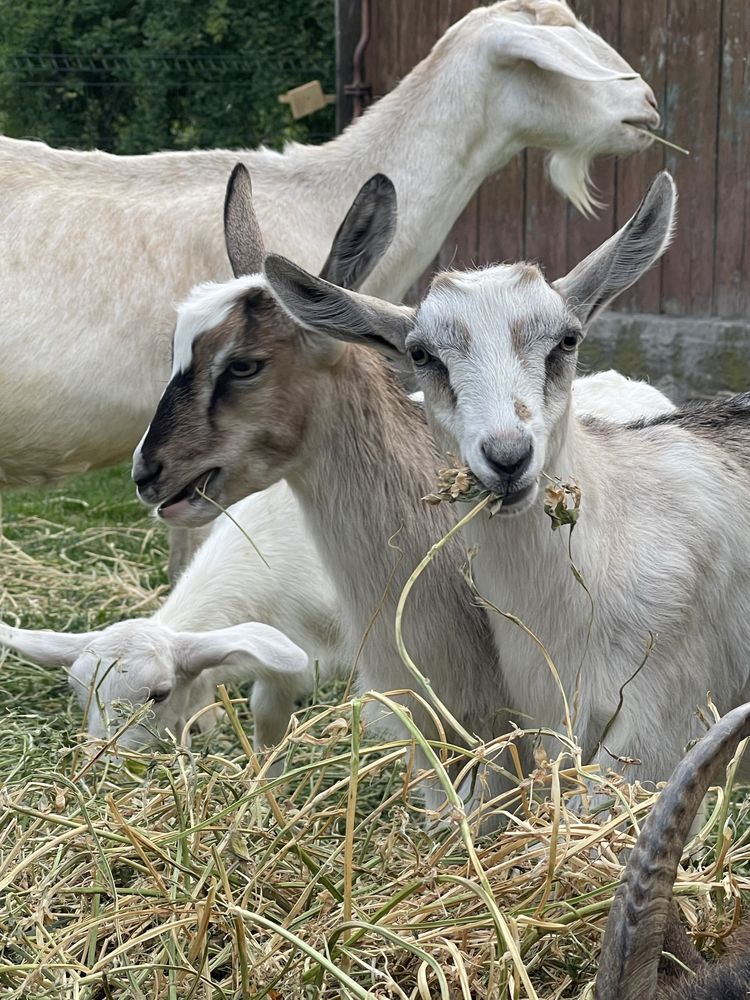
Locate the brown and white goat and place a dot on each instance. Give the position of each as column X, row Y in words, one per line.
column 253, row 398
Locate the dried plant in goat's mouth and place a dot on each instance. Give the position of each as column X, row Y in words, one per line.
column 562, row 503
column 456, row 485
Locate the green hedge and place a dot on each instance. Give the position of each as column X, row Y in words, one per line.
column 132, row 76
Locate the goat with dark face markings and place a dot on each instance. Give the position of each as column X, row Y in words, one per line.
column 661, row 537
column 255, row 398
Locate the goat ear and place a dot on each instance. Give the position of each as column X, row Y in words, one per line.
column 242, row 233
column 555, row 48
column 364, row 235
column 621, row 261
column 48, row 649
column 265, row 651
column 325, row 309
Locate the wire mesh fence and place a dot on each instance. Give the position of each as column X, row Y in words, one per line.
column 159, row 77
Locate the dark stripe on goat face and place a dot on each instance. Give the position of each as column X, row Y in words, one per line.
column 177, row 396
column 558, row 365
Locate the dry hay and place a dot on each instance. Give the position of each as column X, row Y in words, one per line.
column 188, row 874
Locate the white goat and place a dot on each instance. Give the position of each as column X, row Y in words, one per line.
column 661, row 537
column 200, row 636
column 94, row 247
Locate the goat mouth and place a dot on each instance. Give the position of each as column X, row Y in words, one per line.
column 645, row 126
column 512, row 500
column 195, row 492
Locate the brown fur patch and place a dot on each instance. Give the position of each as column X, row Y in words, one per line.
column 517, row 327
column 463, row 333
column 522, row 410
column 206, row 344
column 442, row 280
column 528, row 272
column 549, row 12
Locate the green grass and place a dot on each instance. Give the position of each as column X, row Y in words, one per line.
column 105, row 497
column 185, row 873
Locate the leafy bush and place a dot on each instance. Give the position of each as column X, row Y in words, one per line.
column 132, row 76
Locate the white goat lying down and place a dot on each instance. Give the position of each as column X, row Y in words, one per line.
column 253, row 398
column 94, row 248
column 201, row 636
column 661, row 539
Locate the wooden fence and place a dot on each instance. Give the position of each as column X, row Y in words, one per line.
column 696, row 56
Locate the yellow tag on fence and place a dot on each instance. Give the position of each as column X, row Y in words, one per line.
column 306, row 99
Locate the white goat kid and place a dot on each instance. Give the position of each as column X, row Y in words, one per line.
column 94, row 247
column 200, row 636
column 661, row 537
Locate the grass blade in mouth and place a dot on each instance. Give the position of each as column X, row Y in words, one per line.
column 662, row 140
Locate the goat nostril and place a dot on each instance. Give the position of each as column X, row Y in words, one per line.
column 146, row 473
column 510, row 464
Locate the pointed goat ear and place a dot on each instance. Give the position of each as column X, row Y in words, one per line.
column 555, row 48
column 266, row 651
column 48, row 649
column 621, row 261
column 330, row 311
column 242, row 233
column 364, row 235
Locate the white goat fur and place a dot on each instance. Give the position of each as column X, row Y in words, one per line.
column 661, row 536
column 93, row 247
column 226, row 584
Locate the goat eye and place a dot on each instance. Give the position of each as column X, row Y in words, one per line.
column 570, row 341
column 159, row 694
column 420, row 357
column 244, row 369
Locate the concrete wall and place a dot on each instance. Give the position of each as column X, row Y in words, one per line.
column 683, row 357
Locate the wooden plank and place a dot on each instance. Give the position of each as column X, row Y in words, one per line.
column 500, row 215
column 348, row 29
column 732, row 263
column 382, row 54
column 545, row 222
column 693, row 42
column 417, row 32
column 643, row 42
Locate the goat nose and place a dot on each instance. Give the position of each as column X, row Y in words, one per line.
column 651, row 100
column 508, row 459
column 146, row 472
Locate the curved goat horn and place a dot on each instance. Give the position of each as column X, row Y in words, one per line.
column 637, row 922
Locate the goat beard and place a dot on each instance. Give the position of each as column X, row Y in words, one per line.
column 569, row 172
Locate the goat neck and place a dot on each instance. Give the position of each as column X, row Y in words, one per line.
column 367, row 459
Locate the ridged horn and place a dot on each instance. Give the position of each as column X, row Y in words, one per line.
column 637, row 922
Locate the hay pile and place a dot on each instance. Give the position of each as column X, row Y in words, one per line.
column 190, row 874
